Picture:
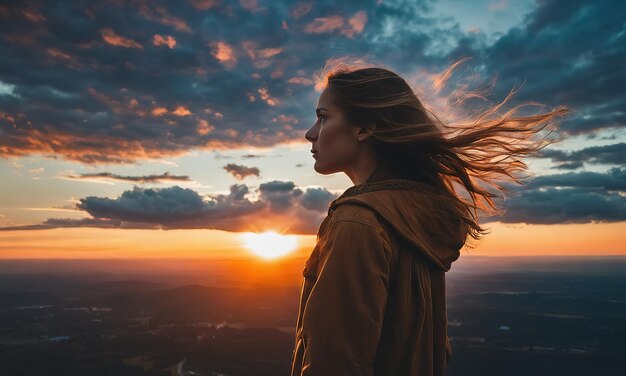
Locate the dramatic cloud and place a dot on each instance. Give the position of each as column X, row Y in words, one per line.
column 568, row 198
column 123, row 81
column 565, row 52
column 609, row 154
column 280, row 206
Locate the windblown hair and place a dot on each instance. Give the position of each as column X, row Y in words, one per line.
column 415, row 144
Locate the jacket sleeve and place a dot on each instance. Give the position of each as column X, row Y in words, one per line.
column 343, row 317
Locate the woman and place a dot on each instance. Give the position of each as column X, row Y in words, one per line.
column 373, row 297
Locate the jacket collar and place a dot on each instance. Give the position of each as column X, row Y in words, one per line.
column 418, row 212
column 381, row 185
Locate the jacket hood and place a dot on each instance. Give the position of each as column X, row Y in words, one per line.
column 418, row 212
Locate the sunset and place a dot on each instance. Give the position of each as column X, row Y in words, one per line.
column 157, row 155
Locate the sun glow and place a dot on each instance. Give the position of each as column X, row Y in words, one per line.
column 269, row 244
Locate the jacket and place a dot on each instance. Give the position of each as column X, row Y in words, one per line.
column 372, row 299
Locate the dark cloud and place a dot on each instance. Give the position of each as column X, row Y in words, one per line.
column 120, row 81
column 614, row 154
column 316, row 198
column 140, row 179
column 279, row 204
column 560, row 206
column 248, row 156
column 564, row 53
column 581, row 197
column 169, row 205
column 613, row 180
column 241, row 172
column 568, row 198
column 281, row 195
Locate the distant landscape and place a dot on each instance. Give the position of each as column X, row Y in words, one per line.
column 507, row 316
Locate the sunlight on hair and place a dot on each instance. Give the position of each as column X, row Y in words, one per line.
column 441, row 127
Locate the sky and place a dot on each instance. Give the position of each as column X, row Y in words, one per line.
column 168, row 129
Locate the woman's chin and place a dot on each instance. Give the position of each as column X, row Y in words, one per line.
column 319, row 168
column 324, row 170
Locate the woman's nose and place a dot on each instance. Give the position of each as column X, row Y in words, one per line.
column 309, row 135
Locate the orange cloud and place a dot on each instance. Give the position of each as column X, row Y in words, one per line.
column 159, row 14
column 204, row 127
column 260, row 57
column 300, row 81
column 269, row 52
column 224, row 53
column 285, row 120
column 181, row 111
column 158, row 111
column 158, row 40
column 354, row 25
column 357, row 23
column 69, row 61
column 324, row 24
column 113, row 39
column 204, row 4
column 265, row 95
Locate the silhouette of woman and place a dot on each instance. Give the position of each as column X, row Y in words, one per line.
column 372, row 300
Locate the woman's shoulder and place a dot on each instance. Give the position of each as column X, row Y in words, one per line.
column 353, row 212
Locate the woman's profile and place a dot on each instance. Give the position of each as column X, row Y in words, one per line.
column 373, row 300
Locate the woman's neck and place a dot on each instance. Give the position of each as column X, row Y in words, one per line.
column 381, row 172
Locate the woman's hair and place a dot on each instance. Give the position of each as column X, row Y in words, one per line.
column 413, row 143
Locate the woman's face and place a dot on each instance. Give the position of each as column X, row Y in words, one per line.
column 334, row 141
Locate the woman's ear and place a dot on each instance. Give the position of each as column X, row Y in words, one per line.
column 364, row 132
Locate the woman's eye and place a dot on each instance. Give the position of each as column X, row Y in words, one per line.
column 322, row 118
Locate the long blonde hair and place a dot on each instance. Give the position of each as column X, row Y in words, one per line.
column 416, row 144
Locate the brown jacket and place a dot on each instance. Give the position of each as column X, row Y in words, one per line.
column 372, row 300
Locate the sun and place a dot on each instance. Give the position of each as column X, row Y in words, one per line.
column 269, row 244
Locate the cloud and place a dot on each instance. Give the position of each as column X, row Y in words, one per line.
column 159, row 40
column 224, row 53
column 280, row 206
column 315, row 198
column 85, row 82
column 241, row 172
column 139, row 179
column 565, row 52
column 300, row 81
column 280, row 195
column 110, row 37
column 582, row 197
column 152, row 11
column 265, row 96
column 204, row 4
column 607, row 154
column 354, row 25
column 613, row 180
